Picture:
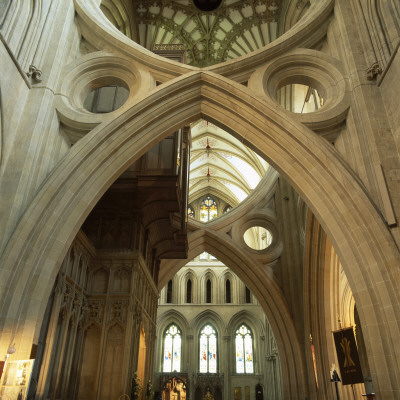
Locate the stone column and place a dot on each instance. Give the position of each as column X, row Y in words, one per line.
column 51, row 339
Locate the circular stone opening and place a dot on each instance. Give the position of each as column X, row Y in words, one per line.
column 299, row 98
column 105, row 99
column 258, row 238
column 207, row 5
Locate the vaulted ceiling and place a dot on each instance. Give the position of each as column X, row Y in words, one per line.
column 235, row 28
column 220, row 164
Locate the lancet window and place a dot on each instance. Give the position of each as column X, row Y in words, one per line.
column 169, row 291
column 208, row 350
column 228, row 291
column 208, row 210
column 208, row 291
column 172, row 349
column 189, row 291
column 244, row 350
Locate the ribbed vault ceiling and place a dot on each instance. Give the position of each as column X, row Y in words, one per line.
column 235, row 28
column 222, row 165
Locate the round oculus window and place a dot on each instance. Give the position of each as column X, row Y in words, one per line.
column 258, row 238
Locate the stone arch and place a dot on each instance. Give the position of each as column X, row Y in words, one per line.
column 208, row 316
column 248, row 319
column 257, row 332
column 227, row 275
column 121, row 278
column 356, row 228
column 184, row 278
column 172, row 316
column 100, row 280
column 118, row 15
column 266, row 291
column 163, row 322
column 210, row 275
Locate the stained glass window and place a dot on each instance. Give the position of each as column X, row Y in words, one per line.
column 206, row 256
column 172, row 349
column 244, row 350
column 208, row 350
column 208, row 210
column 190, row 212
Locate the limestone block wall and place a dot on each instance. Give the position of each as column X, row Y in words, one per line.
column 37, row 39
column 369, row 140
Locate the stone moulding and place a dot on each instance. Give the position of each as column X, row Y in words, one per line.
column 92, row 71
column 308, row 67
column 268, row 293
column 312, row 166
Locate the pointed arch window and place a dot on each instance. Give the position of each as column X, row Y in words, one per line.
column 208, row 291
column 189, row 291
column 172, row 349
column 169, row 291
column 190, row 212
column 208, row 350
column 228, row 291
column 208, row 210
column 248, row 296
column 244, row 350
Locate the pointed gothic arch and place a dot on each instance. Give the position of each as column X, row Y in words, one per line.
column 316, row 171
column 267, row 292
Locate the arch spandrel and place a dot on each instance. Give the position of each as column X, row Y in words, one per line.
column 368, row 253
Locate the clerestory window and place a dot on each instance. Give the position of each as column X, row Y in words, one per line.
column 208, row 291
column 228, row 291
column 169, row 291
column 189, row 291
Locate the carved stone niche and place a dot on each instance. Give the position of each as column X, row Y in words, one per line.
column 121, row 281
column 118, row 310
column 95, row 311
column 99, row 281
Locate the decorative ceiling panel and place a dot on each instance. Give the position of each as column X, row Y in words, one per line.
column 232, row 30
